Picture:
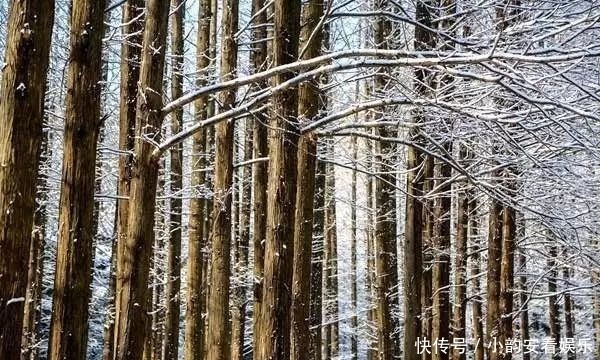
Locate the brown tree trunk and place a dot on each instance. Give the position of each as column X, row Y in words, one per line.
column 240, row 288
column 196, row 274
column 553, row 306
column 73, row 277
column 386, row 262
column 316, row 272
column 132, row 285
column 569, row 318
column 258, row 57
column 274, row 327
column 522, row 286
column 35, row 274
column 171, row 336
column 413, row 265
column 493, row 325
column 460, row 263
column 219, row 326
column 130, row 73
column 353, row 256
column 21, row 119
column 308, row 108
column 477, row 299
column 331, row 258
column 507, row 276
column 369, row 238
column 427, row 231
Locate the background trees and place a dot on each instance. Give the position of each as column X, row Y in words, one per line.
column 453, row 136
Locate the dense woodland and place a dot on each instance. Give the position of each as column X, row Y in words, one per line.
column 300, row 179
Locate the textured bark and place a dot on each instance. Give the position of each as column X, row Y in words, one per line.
column 595, row 275
column 240, row 288
column 353, row 256
column 258, row 57
column 308, row 109
column 32, row 311
column 553, row 306
column 73, row 277
column 331, row 258
column 569, row 318
column 132, row 285
column 414, row 208
column 316, row 272
column 369, row 238
column 130, row 73
column 274, row 327
column 427, row 231
column 493, row 321
column 219, row 326
column 21, row 118
column 386, row 262
column 522, row 286
column 196, row 274
column 477, row 299
column 507, row 276
column 460, row 263
column 173, row 282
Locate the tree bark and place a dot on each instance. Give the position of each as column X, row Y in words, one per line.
column 21, row 120
column 477, row 313
column 493, row 321
column 569, row 319
column 427, row 231
column 522, row 286
column 196, row 276
column 331, row 257
column 171, row 334
column 73, row 277
column 507, row 276
column 219, row 326
column 553, row 306
column 130, row 73
column 308, row 109
column 316, row 271
column 132, row 287
column 274, row 327
column 353, row 255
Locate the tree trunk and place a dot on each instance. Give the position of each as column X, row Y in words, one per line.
column 460, row 264
column 493, row 325
column 553, row 306
column 240, row 287
column 477, row 320
column 569, row 319
column 331, row 258
column 258, row 57
column 316, row 272
column 353, row 256
column 171, row 336
column 596, row 299
column 386, row 263
column 73, row 277
column 427, row 231
column 130, row 73
column 370, row 240
column 219, row 326
column 524, row 314
column 274, row 327
column 308, row 108
column 507, row 276
column 21, row 121
column 132, row 287
column 196, row 274
column 32, row 312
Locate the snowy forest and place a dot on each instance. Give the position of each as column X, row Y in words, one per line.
column 300, row 179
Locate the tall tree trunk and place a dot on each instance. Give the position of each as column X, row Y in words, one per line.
column 258, row 57
column 241, row 250
column 553, row 306
column 331, row 257
column 132, row 288
column 569, row 319
column 413, row 266
column 32, row 311
column 316, row 271
column 427, row 231
column 308, row 109
column 73, row 277
column 477, row 299
column 130, row 73
column 353, row 256
column 460, row 263
column 219, row 326
column 596, row 299
column 274, row 327
column 522, row 286
column 196, row 274
column 171, row 337
column 386, row 263
column 507, row 276
column 493, row 325
column 370, row 241
column 21, row 120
